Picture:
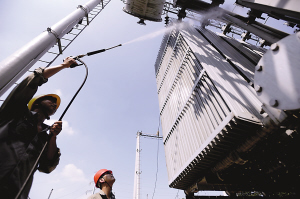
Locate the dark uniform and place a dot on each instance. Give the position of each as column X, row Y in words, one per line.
column 20, row 143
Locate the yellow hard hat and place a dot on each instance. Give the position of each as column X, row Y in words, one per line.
column 31, row 102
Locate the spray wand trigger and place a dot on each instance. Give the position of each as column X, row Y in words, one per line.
column 76, row 58
column 73, row 65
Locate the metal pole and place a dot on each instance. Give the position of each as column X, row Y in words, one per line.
column 16, row 65
column 137, row 172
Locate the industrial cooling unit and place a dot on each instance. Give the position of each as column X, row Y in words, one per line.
column 217, row 133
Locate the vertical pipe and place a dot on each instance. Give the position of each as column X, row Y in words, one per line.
column 137, row 172
column 16, row 65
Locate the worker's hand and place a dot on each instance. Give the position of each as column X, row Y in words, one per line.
column 56, row 128
column 69, row 61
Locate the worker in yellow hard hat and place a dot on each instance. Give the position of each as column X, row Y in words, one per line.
column 36, row 101
column 104, row 179
column 23, row 132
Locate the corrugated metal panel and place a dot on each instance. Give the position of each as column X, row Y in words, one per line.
column 162, row 50
column 206, row 106
column 179, row 53
column 241, row 97
column 215, row 147
column 197, row 125
column 166, row 56
column 180, row 91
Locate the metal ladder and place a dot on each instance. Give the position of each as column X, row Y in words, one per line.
column 63, row 43
column 67, row 39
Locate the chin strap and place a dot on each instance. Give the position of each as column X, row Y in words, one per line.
column 108, row 185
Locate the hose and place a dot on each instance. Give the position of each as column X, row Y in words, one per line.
column 86, row 75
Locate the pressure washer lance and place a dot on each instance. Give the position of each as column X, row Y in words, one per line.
column 90, row 53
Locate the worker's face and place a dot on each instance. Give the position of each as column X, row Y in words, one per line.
column 50, row 105
column 109, row 178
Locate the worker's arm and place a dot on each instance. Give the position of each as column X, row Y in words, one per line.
column 50, row 71
column 20, row 96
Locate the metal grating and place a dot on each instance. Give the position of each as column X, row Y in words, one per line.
column 66, row 41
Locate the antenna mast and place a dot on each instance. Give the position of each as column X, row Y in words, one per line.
column 137, row 172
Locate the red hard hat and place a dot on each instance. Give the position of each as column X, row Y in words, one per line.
column 99, row 174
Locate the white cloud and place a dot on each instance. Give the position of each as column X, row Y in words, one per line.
column 73, row 174
column 58, row 92
column 68, row 182
column 67, row 129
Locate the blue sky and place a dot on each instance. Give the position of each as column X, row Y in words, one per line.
column 118, row 100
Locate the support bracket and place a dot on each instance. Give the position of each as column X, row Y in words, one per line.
column 86, row 13
column 57, row 39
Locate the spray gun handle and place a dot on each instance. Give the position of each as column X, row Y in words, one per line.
column 75, row 64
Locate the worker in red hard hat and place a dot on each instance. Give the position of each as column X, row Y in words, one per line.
column 104, row 179
column 23, row 132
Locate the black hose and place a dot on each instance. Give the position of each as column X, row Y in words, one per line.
column 86, row 75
